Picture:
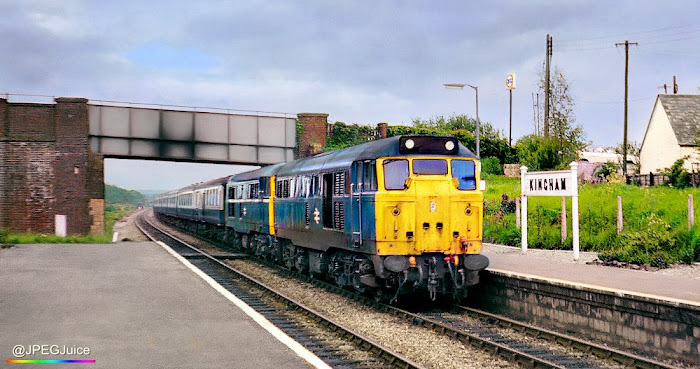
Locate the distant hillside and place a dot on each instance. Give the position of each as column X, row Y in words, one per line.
column 116, row 195
column 151, row 193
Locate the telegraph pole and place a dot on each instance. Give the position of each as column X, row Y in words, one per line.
column 547, row 60
column 624, row 139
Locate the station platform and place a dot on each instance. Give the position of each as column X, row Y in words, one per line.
column 559, row 265
column 133, row 305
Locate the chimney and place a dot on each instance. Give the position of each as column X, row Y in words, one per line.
column 382, row 130
column 313, row 138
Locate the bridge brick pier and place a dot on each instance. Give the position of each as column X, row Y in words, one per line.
column 52, row 155
column 47, row 168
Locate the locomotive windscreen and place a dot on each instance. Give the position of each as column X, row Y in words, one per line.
column 432, row 145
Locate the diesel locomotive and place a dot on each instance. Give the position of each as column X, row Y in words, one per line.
column 401, row 215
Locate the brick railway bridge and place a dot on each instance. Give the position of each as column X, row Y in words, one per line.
column 52, row 155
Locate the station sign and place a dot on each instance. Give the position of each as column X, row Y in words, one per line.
column 562, row 183
column 553, row 183
column 510, row 81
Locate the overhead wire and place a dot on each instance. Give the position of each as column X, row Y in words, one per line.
column 679, row 33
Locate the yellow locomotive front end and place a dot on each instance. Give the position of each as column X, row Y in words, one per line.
column 429, row 213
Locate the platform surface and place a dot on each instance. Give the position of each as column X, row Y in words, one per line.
column 132, row 304
column 560, row 265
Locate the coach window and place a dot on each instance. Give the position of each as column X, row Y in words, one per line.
column 464, row 171
column 395, row 173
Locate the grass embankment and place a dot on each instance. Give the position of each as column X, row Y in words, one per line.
column 119, row 203
column 112, row 214
column 655, row 221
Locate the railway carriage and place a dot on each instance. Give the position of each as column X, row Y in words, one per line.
column 209, row 201
column 185, row 203
column 392, row 216
column 166, row 203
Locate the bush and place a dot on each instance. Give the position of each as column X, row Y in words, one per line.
column 606, row 170
column 678, row 177
column 647, row 246
column 538, row 153
column 491, row 165
column 689, row 246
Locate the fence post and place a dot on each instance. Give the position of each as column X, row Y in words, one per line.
column 692, row 177
column 619, row 214
column 563, row 219
column 517, row 212
column 691, row 212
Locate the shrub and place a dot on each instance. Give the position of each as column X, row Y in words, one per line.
column 678, row 177
column 606, row 170
column 491, row 165
column 538, row 153
column 647, row 246
column 689, row 245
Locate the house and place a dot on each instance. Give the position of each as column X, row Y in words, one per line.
column 673, row 133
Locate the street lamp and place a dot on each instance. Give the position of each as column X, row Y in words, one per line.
column 476, row 89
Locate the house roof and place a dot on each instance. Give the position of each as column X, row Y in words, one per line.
column 683, row 112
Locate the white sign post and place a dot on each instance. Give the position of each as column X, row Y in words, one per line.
column 61, row 225
column 554, row 183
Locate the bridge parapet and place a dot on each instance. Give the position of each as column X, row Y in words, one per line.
column 160, row 134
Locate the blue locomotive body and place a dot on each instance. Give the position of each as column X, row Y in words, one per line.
column 389, row 216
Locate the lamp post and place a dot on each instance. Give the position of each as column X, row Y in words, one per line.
column 476, row 89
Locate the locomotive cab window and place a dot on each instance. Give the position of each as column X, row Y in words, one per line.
column 395, row 173
column 369, row 180
column 429, row 166
column 465, row 172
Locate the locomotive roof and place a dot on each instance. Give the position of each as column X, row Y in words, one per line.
column 211, row 182
column 343, row 158
column 340, row 159
column 267, row 171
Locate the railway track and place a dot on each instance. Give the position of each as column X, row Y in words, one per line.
column 556, row 349
column 582, row 346
column 336, row 345
column 516, row 342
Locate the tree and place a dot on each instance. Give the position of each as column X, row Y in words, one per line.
column 539, row 153
column 633, row 151
column 463, row 127
column 568, row 139
column 343, row 135
column 492, row 144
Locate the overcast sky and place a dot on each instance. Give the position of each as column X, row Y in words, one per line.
column 359, row 61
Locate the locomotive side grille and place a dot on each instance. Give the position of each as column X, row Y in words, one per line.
column 339, row 184
column 338, row 216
